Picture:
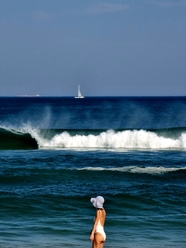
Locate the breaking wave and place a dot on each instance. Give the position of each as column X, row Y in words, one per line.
column 30, row 138
column 15, row 139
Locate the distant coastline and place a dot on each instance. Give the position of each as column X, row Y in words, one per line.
column 27, row 95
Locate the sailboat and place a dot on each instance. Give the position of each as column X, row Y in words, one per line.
column 79, row 93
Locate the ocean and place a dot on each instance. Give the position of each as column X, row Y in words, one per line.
column 58, row 152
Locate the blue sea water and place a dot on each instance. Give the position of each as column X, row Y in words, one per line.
column 58, row 152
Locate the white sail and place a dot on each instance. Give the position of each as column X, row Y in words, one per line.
column 79, row 93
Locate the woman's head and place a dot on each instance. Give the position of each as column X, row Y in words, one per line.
column 97, row 202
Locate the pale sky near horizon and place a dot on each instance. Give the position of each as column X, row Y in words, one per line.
column 109, row 47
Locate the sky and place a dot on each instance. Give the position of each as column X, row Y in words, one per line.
column 109, row 47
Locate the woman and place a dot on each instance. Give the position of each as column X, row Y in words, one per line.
column 97, row 235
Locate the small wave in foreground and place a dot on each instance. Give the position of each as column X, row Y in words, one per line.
column 137, row 169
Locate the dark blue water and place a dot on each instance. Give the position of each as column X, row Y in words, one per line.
column 57, row 153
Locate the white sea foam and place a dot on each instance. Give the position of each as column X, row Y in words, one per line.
column 136, row 139
column 135, row 169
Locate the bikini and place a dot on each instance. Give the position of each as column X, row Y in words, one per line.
column 100, row 229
